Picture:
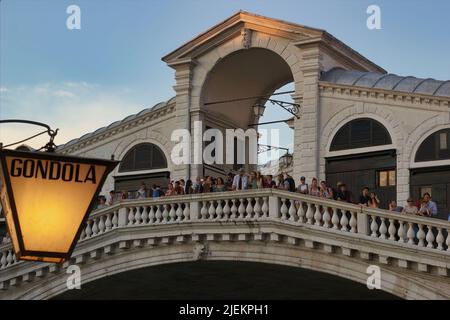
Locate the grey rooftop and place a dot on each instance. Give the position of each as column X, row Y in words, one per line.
column 387, row 81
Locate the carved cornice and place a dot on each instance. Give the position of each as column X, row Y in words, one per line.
column 387, row 96
column 121, row 128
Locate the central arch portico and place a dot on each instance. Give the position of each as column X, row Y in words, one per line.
column 250, row 55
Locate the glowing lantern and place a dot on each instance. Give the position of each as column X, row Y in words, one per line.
column 46, row 198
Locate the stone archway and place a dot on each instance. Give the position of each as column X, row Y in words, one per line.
column 243, row 74
column 383, row 116
column 306, row 51
column 223, row 280
column 239, row 81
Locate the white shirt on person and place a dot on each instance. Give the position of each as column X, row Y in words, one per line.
column 244, row 182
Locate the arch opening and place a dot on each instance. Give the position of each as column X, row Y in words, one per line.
column 435, row 147
column 144, row 156
column 376, row 168
column 240, row 81
column 360, row 133
column 431, row 174
column 143, row 163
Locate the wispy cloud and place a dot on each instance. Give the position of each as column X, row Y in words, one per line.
column 74, row 107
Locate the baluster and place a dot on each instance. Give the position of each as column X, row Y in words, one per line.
column 421, row 236
column 158, row 214
column 187, row 212
column 241, row 209
column 9, row 258
column 179, row 213
column 309, row 214
column 233, row 209
column 257, row 208
column 219, row 210
column 88, row 229
column 440, row 240
column 265, row 207
column 172, row 213
column 301, row 213
column 151, row 215
column 430, row 238
column 318, row 216
column 211, row 210
column 94, row 227
column 249, row 209
column 327, row 218
column 108, row 222
column 283, row 209
column 335, row 219
column 292, row 212
column 131, row 215
column 83, row 233
column 392, row 230
column 226, row 210
column 3, row 260
column 115, row 219
column 353, row 222
column 411, row 234
column 165, row 214
column 401, row 232
column 138, row 215
column 344, row 221
column 101, row 225
column 374, row 226
column 144, row 216
column 203, row 211
column 383, row 229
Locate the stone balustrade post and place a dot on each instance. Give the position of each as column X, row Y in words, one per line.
column 363, row 223
column 123, row 217
column 274, row 206
column 194, row 207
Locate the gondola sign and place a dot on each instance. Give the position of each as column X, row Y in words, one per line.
column 46, row 198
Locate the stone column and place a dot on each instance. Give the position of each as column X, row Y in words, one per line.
column 196, row 169
column 183, row 77
column 306, row 137
column 403, row 188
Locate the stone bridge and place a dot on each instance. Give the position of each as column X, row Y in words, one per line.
column 261, row 226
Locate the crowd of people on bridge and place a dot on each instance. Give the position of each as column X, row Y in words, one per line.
column 424, row 206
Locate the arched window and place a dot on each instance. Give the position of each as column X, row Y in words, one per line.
column 144, row 156
column 360, row 133
column 435, row 147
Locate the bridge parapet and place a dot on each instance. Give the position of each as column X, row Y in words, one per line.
column 393, row 239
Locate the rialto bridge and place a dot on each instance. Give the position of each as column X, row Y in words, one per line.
column 358, row 124
column 265, row 227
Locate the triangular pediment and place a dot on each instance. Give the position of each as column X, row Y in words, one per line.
column 233, row 27
column 298, row 34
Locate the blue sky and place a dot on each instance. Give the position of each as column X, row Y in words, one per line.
column 79, row 80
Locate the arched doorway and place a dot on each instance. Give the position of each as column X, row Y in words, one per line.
column 144, row 162
column 363, row 159
column 232, row 88
column 431, row 171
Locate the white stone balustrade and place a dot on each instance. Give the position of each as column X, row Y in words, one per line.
column 408, row 229
column 266, row 204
